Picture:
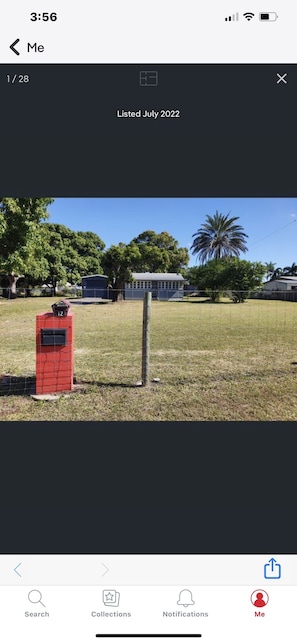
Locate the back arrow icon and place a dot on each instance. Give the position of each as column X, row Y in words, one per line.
column 15, row 570
column 15, row 51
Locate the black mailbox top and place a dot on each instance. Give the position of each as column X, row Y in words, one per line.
column 60, row 309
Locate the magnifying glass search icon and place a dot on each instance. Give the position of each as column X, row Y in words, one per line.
column 35, row 596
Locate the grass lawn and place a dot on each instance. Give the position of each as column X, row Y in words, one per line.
column 215, row 361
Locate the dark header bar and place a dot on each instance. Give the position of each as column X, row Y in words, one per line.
column 220, row 130
column 116, row 100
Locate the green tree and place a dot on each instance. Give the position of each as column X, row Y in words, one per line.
column 118, row 263
column 70, row 255
column 236, row 275
column 210, row 278
column 21, row 243
column 242, row 277
column 54, row 253
column 219, row 237
column 160, row 252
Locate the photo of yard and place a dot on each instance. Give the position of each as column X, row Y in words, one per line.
column 214, row 361
column 218, row 278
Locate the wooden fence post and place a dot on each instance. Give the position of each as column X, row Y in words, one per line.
column 146, row 337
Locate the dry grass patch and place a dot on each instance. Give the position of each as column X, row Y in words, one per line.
column 215, row 361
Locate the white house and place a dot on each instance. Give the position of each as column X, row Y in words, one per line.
column 281, row 284
column 162, row 285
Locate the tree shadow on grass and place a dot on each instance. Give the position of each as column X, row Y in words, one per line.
column 89, row 301
column 208, row 301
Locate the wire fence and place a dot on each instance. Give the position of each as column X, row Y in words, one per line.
column 167, row 294
column 203, row 353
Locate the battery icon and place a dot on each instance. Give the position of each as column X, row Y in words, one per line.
column 268, row 16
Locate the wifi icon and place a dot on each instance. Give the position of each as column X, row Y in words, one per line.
column 248, row 15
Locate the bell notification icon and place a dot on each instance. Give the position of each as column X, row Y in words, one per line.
column 185, row 598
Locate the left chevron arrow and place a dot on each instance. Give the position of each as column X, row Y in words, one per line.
column 12, row 47
column 15, row 570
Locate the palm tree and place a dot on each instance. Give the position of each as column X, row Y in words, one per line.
column 278, row 272
column 219, row 237
column 290, row 270
column 270, row 268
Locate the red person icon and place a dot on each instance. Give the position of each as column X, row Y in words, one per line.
column 259, row 598
column 259, row 602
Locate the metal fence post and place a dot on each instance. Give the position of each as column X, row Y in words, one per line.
column 146, row 337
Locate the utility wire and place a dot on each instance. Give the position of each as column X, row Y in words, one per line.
column 274, row 231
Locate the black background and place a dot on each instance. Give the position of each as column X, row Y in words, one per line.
column 236, row 137
column 148, row 487
column 184, row 487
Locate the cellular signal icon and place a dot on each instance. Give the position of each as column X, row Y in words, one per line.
column 234, row 17
column 248, row 15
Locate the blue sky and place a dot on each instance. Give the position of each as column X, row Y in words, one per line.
column 271, row 224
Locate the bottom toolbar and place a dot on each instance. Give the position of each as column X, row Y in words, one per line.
column 231, row 614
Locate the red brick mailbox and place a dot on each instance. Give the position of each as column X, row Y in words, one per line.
column 54, row 350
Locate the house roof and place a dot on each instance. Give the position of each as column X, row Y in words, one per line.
column 155, row 276
column 286, row 278
column 283, row 280
column 93, row 276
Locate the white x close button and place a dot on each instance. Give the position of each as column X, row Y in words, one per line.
column 281, row 79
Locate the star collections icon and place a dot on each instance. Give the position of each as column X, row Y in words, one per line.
column 111, row 598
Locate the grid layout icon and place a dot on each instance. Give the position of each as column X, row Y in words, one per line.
column 148, row 78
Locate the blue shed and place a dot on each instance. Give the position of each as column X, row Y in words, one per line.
column 95, row 286
column 167, row 286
